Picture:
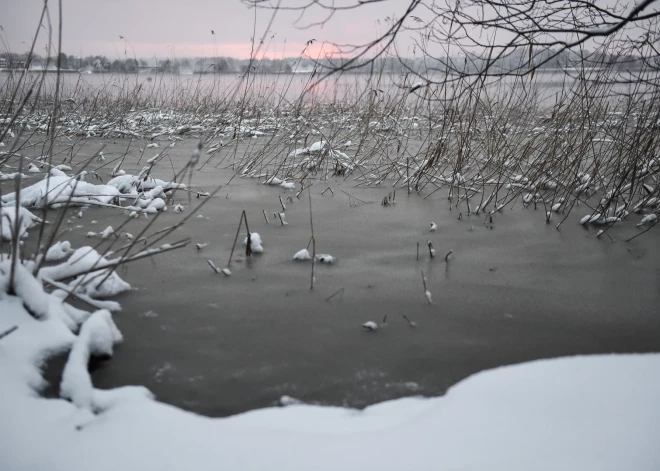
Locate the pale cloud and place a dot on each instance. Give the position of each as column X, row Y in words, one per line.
column 166, row 28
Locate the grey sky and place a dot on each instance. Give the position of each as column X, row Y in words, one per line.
column 183, row 27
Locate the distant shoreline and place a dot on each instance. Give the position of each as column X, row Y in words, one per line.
column 64, row 71
column 147, row 71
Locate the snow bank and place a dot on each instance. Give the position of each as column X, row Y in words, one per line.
column 147, row 205
column 325, row 258
column 255, row 242
column 27, row 220
column 56, row 172
column 59, row 251
column 97, row 337
column 132, row 184
column 589, row 413
column 586, row 413
column 107, row 232
column 302, row 255
column 45, row 325
column 59, row 191
column 41, row 329
column 94, row 284
column 23, row 352
column 11, row 176
column 315, row 148
column 274, row 181
column 648, row 219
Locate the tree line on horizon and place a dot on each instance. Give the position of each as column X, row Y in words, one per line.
column 392, row 64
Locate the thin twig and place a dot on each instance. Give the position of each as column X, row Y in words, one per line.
column 340, row 290
column 8, row 331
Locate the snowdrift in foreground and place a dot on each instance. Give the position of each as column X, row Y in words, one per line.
column 97, row 337
column 582, row 413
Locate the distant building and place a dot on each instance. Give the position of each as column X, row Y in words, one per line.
column 298, row 68
column 4, row 64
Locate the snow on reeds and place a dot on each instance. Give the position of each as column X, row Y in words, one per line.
column 587, row 148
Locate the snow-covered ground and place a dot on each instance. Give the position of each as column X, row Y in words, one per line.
column 581, row 413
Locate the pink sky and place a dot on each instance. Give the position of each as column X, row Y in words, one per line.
column 175, row 28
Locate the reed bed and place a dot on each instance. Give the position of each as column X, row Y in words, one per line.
column 482, row 146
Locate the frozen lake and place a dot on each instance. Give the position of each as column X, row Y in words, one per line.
column 513, row 291
column 270, row 89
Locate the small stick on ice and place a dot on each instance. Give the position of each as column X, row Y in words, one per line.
column 311, row 286
column 10, row 330
column 410, row 323
column 265, row 217
column 311, row 225
column 302, row 189
column 282, row 203
column 212, row 265
column 201, row 246
column 339, row 291
column 333, row 193
column 248, row 245
column 418, row 251
column 431, row 249
column 427, row 293
column 351, row 197
column 238, row 231
column 448, row 254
